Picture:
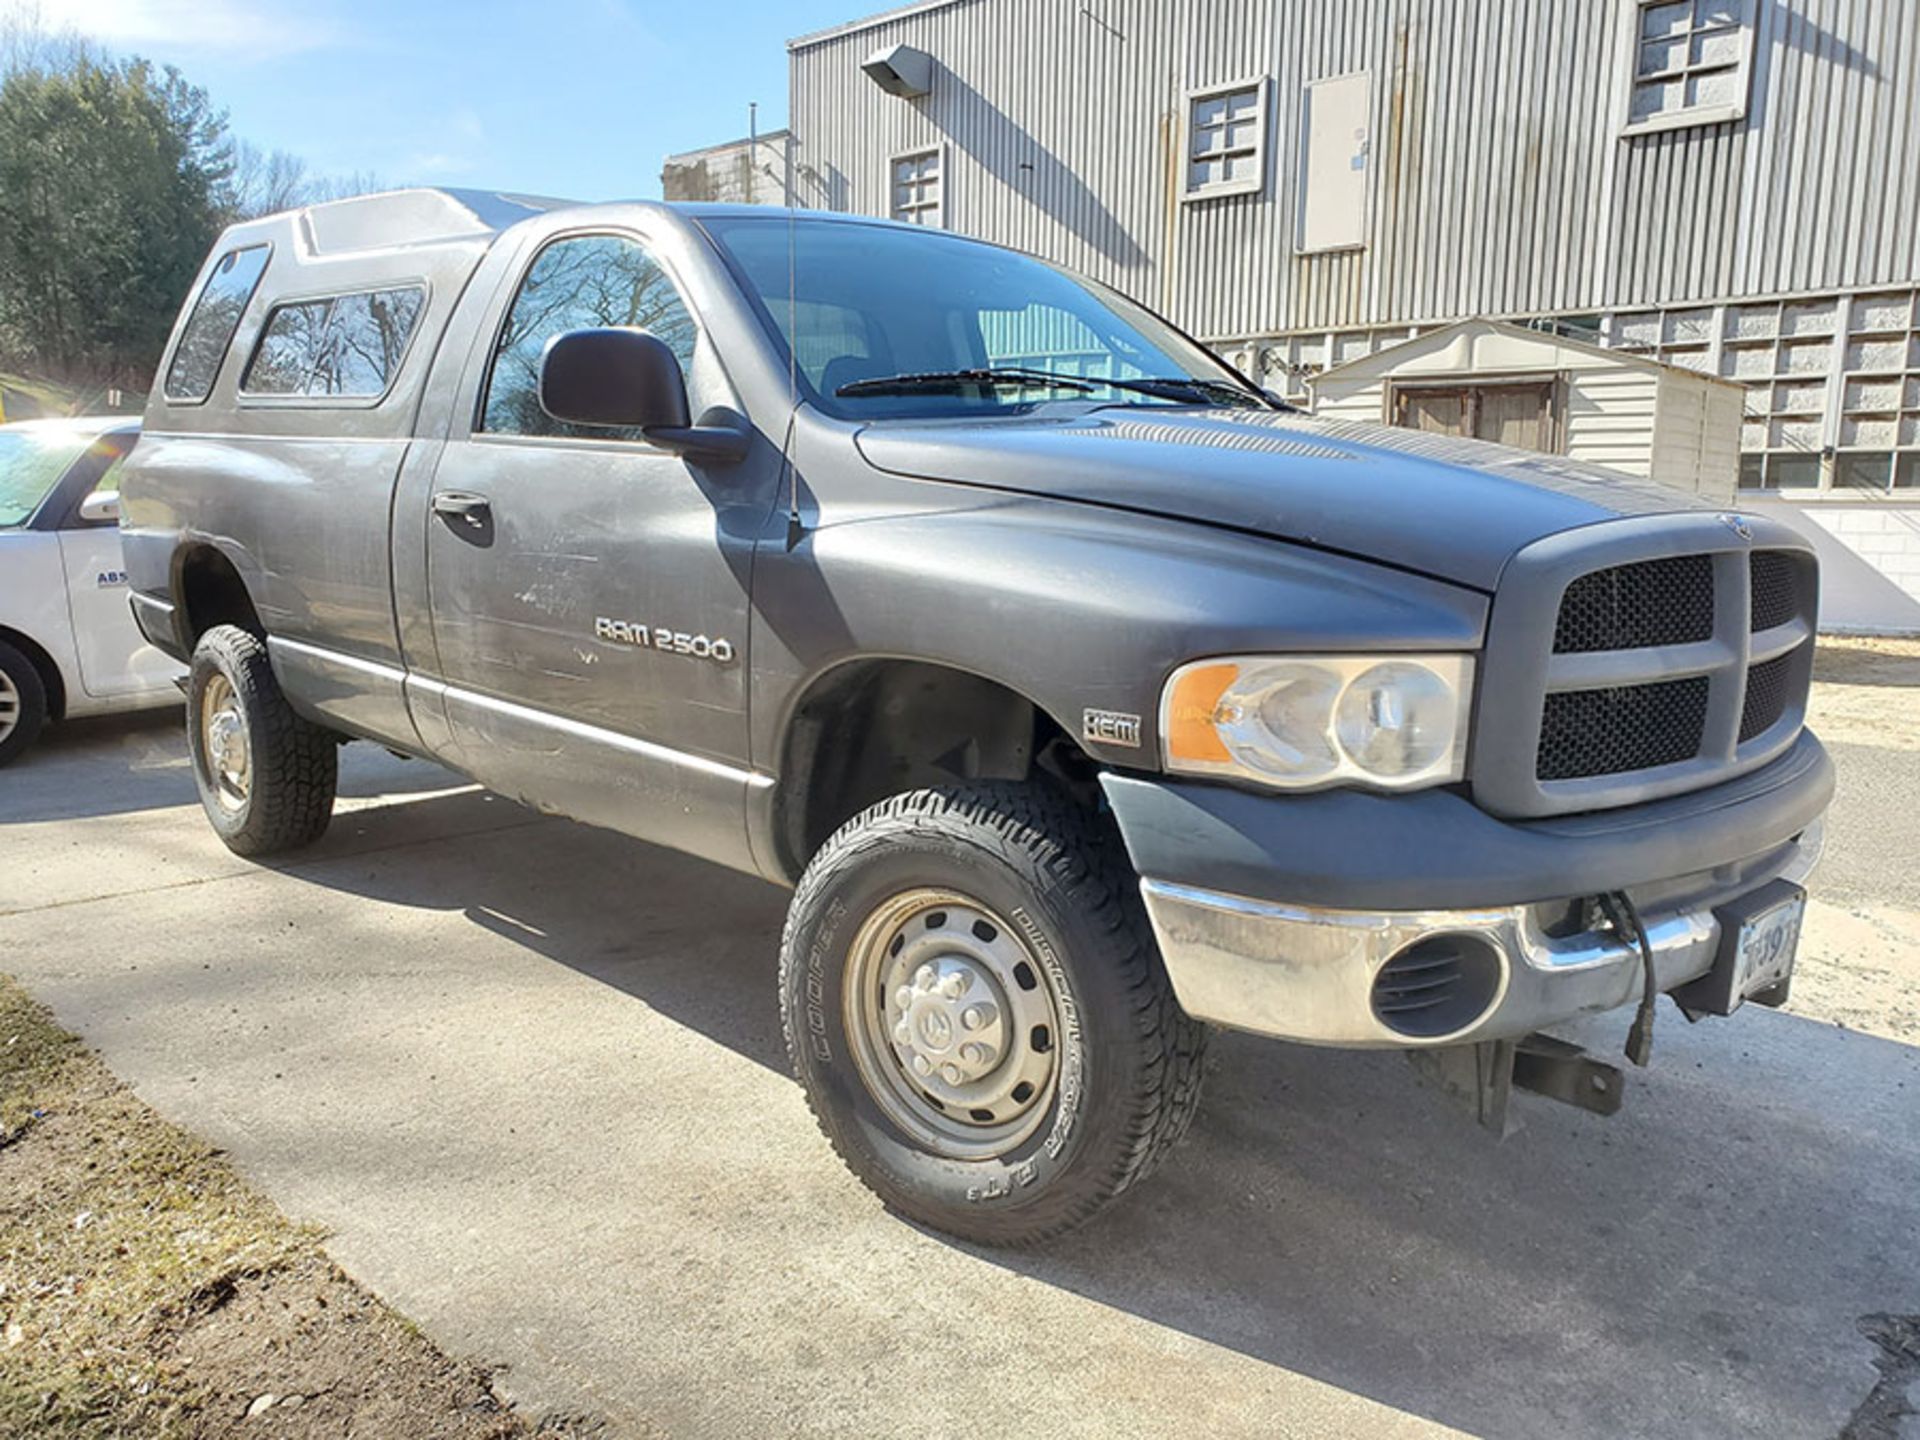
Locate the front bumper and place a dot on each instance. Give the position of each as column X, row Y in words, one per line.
column 1291, row 955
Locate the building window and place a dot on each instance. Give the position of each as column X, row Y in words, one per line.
column 1226, row 140
column 919, row 188
column 1690, row 62
column 1832, row 381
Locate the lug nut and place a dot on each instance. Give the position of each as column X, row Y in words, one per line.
column 976, row 1054
column 924, row 977
column 955, row 985
column 977, row 1017
column 951, row 1074
column 922, row 1066
column 902, row 998
column 903, row 1034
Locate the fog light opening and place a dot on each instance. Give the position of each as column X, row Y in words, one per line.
column 1437, row 986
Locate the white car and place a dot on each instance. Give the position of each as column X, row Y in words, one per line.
column 68, row 644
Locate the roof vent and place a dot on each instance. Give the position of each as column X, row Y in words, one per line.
column 900, row 70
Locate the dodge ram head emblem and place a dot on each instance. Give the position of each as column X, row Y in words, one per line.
column 1739, row 526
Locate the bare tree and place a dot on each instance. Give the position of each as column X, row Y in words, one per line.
column 266, row 181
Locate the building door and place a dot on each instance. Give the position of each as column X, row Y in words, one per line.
column 1440, row 412
column 1522, row 414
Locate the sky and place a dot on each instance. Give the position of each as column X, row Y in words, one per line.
column 575, row 98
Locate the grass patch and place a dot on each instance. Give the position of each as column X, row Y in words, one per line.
column 146, row 1289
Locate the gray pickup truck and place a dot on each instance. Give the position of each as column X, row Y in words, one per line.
column 1084, row 694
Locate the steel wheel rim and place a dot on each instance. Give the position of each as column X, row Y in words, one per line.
column 226, row 748
column 954, row 1023
column 9, row 705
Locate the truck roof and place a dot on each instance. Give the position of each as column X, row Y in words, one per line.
column 400, row 218
column 436, row 215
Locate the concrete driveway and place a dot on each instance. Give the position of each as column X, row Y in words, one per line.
column 530, row 1077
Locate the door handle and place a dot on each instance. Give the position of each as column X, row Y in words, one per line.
column 464, row 505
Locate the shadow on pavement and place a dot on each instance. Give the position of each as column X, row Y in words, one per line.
column 1330, row 1216
column 124, row 764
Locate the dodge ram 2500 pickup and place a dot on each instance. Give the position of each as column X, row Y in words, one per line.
column 1085, row 695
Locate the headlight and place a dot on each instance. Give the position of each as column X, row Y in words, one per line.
column 1300, row 722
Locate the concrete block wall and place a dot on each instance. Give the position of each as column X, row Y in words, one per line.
column 1869, row 562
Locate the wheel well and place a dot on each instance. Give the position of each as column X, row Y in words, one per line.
column 210, row 592
column 50, row 677
column 876, row 728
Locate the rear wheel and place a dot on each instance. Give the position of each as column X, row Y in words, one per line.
column 266, row 775
column 975, row 1007
column 23, row 703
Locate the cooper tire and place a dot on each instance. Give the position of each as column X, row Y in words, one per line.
column 23, row 703
column 266, row 775
column 1125, row 1070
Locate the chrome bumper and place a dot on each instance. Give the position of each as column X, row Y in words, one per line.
column 1307, row 974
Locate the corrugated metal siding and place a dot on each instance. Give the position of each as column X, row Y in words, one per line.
column 1499, row 183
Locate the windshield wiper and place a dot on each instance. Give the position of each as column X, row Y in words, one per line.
column 1174, row 387
column 999, row 375
column 1192, row 388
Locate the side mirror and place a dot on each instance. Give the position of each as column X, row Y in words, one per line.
column 617, row 376
column 102, row 507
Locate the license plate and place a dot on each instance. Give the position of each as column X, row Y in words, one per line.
column 1763, row 953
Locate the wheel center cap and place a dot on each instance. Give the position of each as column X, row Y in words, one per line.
column 936, row 1029
column 225, row 748
column 947, row 1023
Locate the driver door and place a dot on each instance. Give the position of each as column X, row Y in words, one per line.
column 588, row 590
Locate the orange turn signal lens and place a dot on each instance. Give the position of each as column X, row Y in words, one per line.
column 1190, row 733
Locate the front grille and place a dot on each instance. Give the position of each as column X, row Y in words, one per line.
column 1776, row 588
column 1625, row 727
column 1766, row 697
column 1628, row 662
column 1633, row 607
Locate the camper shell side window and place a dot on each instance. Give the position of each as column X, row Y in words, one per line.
column 209, row 329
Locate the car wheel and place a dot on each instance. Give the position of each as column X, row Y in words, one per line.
column 977, row 1012
column 23, row 703
column 266, row 775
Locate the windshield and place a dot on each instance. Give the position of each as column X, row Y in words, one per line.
column 31, row 464
column 882, row 320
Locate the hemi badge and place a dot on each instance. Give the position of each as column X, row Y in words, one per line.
column 1110, row 727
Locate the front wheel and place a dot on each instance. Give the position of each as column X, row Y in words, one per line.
column 266, row 775
column 975, row 1007
column 23, row 703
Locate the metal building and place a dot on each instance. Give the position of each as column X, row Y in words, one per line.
column 1730, row 186
column 751, row 171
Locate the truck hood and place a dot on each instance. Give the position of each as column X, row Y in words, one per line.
column 1453, row 509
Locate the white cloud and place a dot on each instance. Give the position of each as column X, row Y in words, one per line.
column 453, row 147
column 256, row 29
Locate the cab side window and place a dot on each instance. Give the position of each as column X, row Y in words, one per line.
column 582, row 281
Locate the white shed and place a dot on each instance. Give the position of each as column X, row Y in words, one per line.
column 1544, row 392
